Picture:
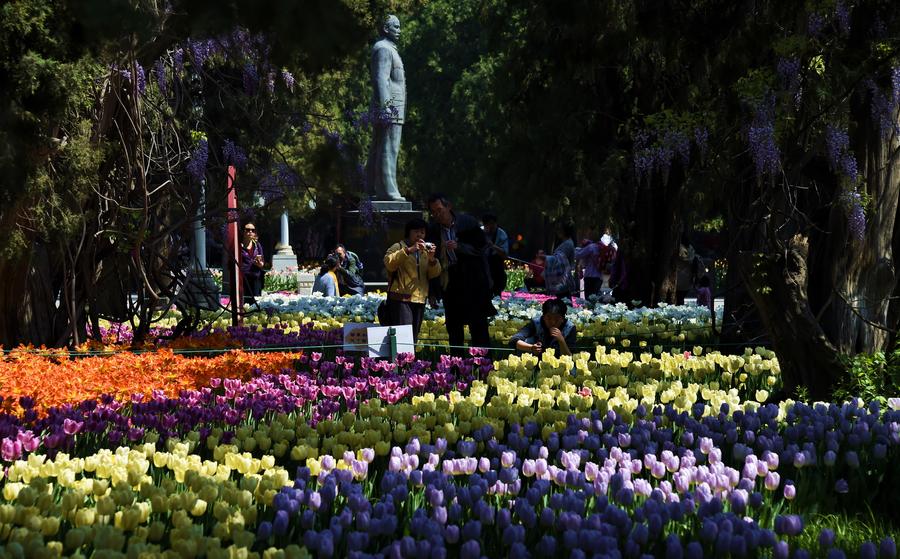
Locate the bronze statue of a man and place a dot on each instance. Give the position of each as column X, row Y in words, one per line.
column 389, row 101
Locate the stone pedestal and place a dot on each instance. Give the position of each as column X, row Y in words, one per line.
column 284, row 256
column 284, row 259
column 305, row 282
column 370, row 241
column 200, row 290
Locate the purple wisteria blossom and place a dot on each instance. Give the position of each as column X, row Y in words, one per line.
column 841, row 160
column 196, row 167
column 159, row 70
column 761, row 136
column 234, row 154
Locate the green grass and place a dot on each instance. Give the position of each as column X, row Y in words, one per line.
column 850, row 532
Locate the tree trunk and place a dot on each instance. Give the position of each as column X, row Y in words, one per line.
column 652, row 239
column 777, row 283
column 827, row 293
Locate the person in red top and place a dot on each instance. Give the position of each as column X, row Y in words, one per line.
column 536, row 267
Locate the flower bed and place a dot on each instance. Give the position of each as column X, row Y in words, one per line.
column 49, row 378
column 659, row 454
column 311, row 321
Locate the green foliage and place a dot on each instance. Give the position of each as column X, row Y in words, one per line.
column 850, row 532
column 280, row 281
column 515, row 279
column 870, row 376
column 753, row 87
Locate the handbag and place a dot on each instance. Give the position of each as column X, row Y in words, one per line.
column 382, row 311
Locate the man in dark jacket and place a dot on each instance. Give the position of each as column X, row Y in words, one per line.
column 465, row 281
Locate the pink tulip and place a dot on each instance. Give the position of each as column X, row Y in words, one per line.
column 10, row 449
column 71, row 427
column 28, row 440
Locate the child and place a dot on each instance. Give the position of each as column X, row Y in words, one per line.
column 550, row 330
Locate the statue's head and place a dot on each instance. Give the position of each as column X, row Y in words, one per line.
column 391, row 28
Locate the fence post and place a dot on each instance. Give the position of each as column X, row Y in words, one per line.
column 392, row 340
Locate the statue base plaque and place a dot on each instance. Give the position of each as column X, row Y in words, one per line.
column 391, row 206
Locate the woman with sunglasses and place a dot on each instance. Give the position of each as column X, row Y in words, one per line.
column 251, row 264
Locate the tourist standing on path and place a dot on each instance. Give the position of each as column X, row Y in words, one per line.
column 618, row 276
column 558, row 274
column 327, row 281
column 411, row 263
column 687, row 270
column 465, row 282
column 498, row 250
column 349, row 272
column 596, row 260
column 536, row 270
column 251, row 264
column 705, row 299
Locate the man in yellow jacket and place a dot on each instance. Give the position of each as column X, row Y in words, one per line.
column 410, row 264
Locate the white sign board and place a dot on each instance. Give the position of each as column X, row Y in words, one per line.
column 364, row 336
column 355, row 336
column 380, row 342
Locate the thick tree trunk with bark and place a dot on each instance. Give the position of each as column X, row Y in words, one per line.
column 825, row 292
column 778, row 285
column 652, row 239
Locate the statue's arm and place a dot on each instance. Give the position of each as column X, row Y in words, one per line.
column 381, row 76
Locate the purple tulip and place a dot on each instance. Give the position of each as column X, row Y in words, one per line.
column 868, row 551
column 826, row 538
column 790, row 491
column 788, row 524
column 841, row 486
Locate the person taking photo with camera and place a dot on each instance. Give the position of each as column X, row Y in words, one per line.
column 410, row 264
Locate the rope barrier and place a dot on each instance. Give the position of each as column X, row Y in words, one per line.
column 434, row 344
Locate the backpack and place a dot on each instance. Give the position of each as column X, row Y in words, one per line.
column 606, row 255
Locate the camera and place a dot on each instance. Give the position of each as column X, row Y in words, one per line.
column 429, row 246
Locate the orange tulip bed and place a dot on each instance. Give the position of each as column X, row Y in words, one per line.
column 53, row 378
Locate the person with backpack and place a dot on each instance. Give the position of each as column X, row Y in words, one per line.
column 349, row 272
